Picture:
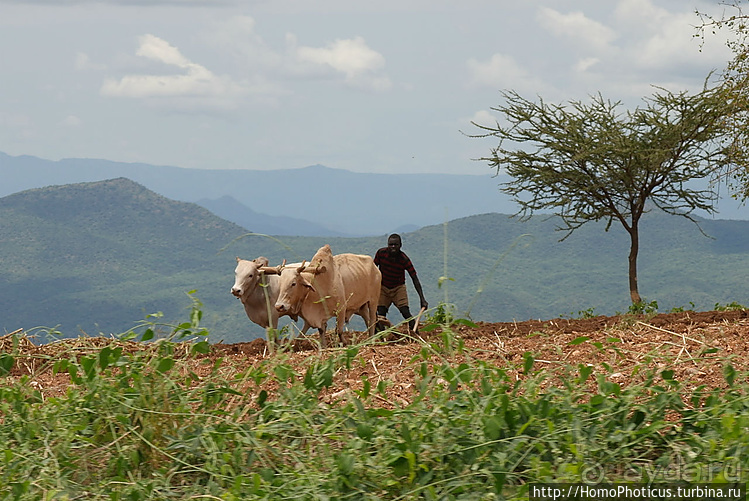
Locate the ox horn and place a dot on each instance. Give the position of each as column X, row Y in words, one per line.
column 272, row 270
column 315, row 269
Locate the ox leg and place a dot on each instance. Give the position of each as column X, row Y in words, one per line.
column 340, row 322
column 372, row 321
column 323, row 337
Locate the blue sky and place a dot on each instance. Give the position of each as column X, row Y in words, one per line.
column 383, row 86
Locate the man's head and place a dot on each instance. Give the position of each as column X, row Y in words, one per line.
column 394, row 244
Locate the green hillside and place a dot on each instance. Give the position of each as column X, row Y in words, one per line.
column 98, row 257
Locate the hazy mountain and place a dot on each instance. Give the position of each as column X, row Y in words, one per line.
column 100, row 256
column 342, row 201
column 231, row 210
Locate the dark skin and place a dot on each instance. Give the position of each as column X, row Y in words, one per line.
column 394, row 248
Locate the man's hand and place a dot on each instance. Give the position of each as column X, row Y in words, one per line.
column 424, row 303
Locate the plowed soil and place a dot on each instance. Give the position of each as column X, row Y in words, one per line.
column 695, row 345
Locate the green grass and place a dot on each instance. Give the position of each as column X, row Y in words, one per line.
column 142, row 425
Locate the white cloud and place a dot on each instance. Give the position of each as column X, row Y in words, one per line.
column 484, row 118
column 674, row 46
column 157, row 49
column 577, row 27
column 238, row 37
column 195, row 81
column 362, row 66
column 351, row 60
column 640, row 12
column 586, row 63
column 71, row 121
column 501, row 72
column 83, row 62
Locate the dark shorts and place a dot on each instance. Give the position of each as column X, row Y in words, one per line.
column 398, row 296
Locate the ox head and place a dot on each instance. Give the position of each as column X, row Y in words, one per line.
column 247, row 275
column 294, row 287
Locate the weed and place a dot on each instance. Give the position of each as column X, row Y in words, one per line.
column 681, row 309
column 643, row 308
column 734, row 306
column 140, row 425
column 582, row 314
column 443, row 314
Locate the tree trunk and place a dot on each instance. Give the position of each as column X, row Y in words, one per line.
column 634, row 248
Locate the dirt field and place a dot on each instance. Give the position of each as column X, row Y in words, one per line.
column 696, row 345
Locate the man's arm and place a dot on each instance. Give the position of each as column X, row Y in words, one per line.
column 417, row 286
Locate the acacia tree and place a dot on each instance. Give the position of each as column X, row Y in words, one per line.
column 590, row 161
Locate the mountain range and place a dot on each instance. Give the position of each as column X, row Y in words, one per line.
column 98, row 257
column 309, row 201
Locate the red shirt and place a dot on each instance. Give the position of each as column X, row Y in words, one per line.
column 393, row 268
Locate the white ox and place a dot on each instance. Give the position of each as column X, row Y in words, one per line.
column 331, row 286
column 258, row 292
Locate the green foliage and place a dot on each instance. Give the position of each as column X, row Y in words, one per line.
column 680, row 309
column 443, row 314
column 141, row 425
column 583, row 314
column 643, row 308
column 734, row 306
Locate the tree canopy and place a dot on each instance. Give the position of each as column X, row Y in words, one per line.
column 594, row 161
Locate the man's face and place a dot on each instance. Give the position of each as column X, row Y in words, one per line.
column 394, row 245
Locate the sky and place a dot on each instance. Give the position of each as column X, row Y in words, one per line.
column 386, row 86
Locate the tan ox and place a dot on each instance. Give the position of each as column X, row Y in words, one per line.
column 331, row 286
column 258, row 292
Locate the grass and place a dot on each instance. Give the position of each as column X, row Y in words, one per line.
column 139, row 423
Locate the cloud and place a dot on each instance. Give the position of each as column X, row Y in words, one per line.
column 669, row 45
column 238, row 37
column 83, row 62
column 501, row 72
column 640, row 12
column 361, row 66
column 71, row 121
column 483, row 118
column 578, row 28
column 195, row 82
column 349, row 60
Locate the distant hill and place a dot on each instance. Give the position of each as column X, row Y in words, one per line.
column 100, row 256
column 344, row 202
column 230, row 209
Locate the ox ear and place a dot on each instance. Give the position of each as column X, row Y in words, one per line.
column 304, row 282
column 261, row 261
column 238, row 259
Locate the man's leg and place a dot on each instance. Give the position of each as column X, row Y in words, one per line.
column 381, row 312
column 401, row 302
column 406, row 312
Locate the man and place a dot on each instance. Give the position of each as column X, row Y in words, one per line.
column 394, row 264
